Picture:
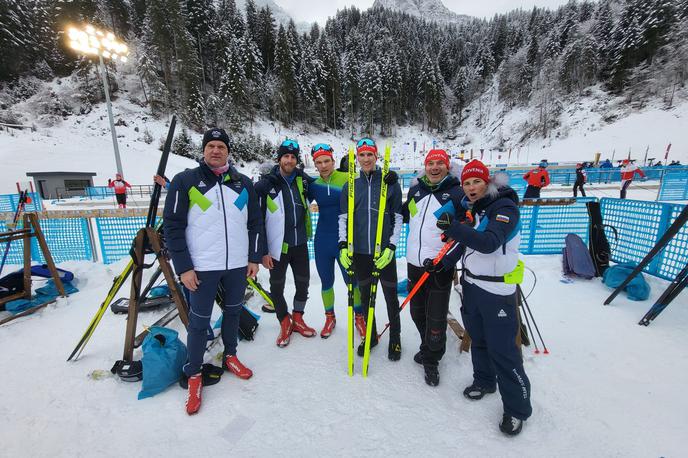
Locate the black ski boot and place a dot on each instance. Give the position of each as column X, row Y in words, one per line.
column 510, row 426
column 418, row 357
column 432, row 375
column 394, row 349
column 361, row 347
column 475, row 392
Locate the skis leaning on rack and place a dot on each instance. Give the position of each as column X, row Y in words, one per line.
column 23, row 200
column 119, row 280
column 376, row 255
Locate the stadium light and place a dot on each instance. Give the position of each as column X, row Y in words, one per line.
column 91, row 41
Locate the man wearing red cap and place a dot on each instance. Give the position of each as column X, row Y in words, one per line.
column 367, row 199
column 326, row 191
column 490, row 307
column 628, row 171
column 120, row 190
column 537, row 179
column 436, row 192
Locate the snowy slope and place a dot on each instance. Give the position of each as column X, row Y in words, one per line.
column 429, row 10
column 609, row 388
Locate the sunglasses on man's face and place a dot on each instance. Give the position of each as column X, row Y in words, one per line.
column 366, row 142
column 321, row 146
column 291, row 144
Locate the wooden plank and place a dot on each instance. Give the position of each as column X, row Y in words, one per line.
column 164, row 264
column 12, row 297
column 27, row 259
column 460, row 332
column 134, row 296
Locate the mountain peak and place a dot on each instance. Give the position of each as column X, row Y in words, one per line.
column 430, row 10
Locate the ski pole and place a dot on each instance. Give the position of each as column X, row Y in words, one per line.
column 527, row 307
column 447, row 246
column 530, row 329
column 15, row 220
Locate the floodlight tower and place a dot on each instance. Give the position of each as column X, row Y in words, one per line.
column 91, row 41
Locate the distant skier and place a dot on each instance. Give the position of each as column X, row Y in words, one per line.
column 581, row 178
column 628, row 171
column 537, row 179
column 120, row 190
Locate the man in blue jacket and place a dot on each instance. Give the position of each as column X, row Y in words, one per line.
column 213, row 231
column 283, row 194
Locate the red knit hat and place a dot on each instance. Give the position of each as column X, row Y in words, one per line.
column 437, row 155
column 475, row 169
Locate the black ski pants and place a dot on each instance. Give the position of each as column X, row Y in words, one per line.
column 576, row 186
column 624, row 187
column 429, row 307
column 297, row 258
column 532, row 192
column 363, row 266
column 492, row 322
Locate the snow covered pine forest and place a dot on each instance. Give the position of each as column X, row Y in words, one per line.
column 396, row 71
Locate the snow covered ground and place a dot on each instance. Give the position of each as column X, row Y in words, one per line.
column 608, row 388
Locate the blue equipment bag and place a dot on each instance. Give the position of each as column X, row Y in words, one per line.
column 576, row 258
column 164, row 356
column 637, row 289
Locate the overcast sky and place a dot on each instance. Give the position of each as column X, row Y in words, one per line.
column 319, row 10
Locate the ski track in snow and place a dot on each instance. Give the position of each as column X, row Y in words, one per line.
column 607, row 386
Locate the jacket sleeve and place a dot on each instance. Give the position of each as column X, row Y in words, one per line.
column 343, row 213
column 262, row 187
column 640, row 172
column 174, row 226
column 255, row 225
column 545, row 177
column 526, row 176
column 126, row 183
column 502, row 221
column 394, row 203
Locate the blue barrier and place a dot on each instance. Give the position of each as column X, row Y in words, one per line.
column 116, row 235
column 99, row 192
column 674, row 185
column 9, row 202
column 68, row 240
column 639, row 225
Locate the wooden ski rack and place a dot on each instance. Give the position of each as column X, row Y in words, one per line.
column 31, row 228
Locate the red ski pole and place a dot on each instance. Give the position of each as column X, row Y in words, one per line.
column 447, row 246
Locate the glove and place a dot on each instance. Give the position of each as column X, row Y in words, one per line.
column 385, row 257
column 274, row 180
column 444, row 221
column 344, row 258
column 391, row 178
column 433, row 268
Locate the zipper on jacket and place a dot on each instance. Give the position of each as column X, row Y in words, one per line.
column 370, row 179
column 224, row 222
column 420, row 230
column 296, row 234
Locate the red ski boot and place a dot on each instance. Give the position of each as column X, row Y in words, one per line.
column 233, row 365
column 360, row 325
column 285, row 331
column 330, row 322
column 300, row 326
column 193, row 401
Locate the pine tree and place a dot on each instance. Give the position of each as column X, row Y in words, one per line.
column 286, row 78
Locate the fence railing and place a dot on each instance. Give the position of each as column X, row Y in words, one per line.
column 9, row 202
column 639, row 225
column 674, row 186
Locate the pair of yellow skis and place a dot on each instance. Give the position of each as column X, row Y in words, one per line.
column 376, row 255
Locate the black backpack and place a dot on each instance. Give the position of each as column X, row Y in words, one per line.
column 598, row 244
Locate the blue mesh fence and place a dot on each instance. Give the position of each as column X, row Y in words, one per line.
column 68, row 240
column 116, row 235
column 16, row 252
column 100, row 192
column 544, row 228
column 674, row 185
column 9, row 202
column 639, row 225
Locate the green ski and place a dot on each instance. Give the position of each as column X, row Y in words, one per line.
column 350, row 248
column 376, row 254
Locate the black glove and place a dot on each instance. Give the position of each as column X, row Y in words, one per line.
column 391, row 178
column 433, row 268
column 271, row 178
column 444, row 221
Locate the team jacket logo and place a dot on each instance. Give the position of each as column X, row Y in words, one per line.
column 445, row 196
column 502, row 218
column 501, row 314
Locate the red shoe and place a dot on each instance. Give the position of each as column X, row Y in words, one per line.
column 233, row 365
column 300, row 326
column 285, row 331
column 360, row 325
column 193, row 401
column 330, row 322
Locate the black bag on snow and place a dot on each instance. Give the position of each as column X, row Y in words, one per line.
column 576, row 258
column 599, row 246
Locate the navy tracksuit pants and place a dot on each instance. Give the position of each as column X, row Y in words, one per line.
column 296, row 257
column 492, row 323
column 201, row 304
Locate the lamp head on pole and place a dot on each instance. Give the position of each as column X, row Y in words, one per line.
column 89, row 40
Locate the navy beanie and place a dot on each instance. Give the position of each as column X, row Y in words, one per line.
column 282, row 150
column 215, row 134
